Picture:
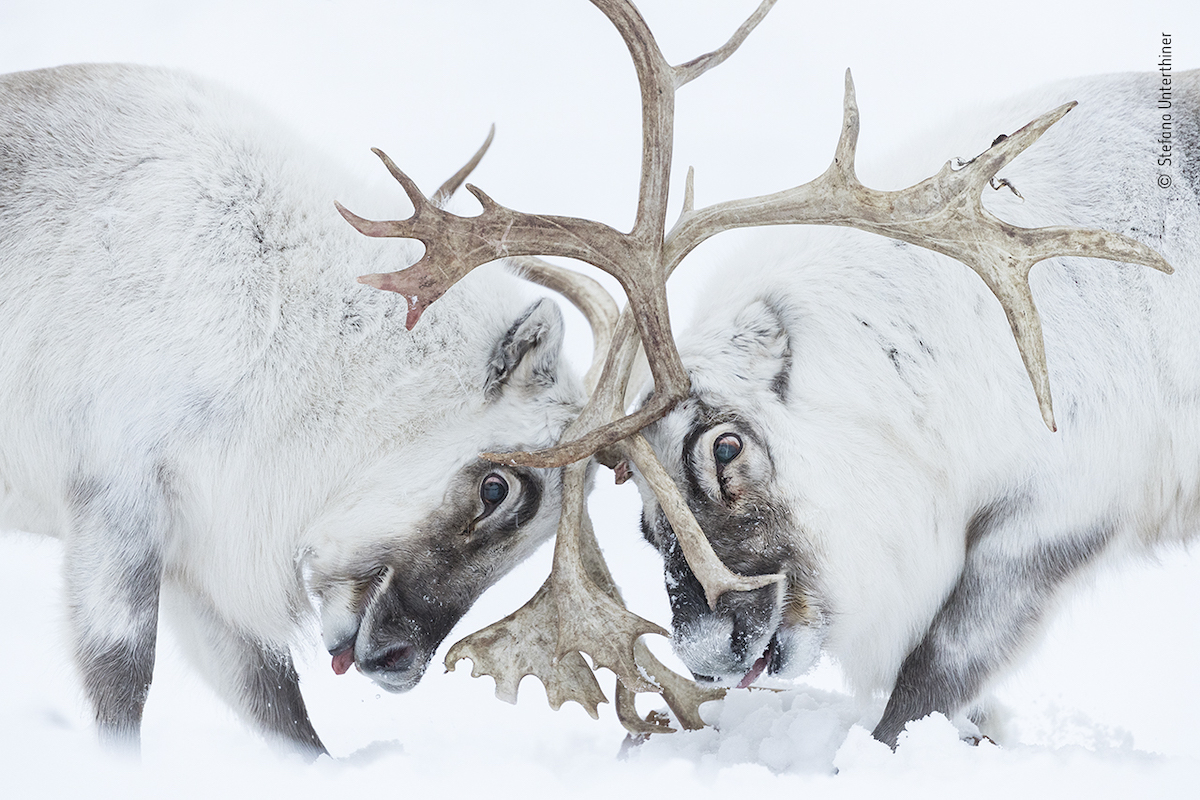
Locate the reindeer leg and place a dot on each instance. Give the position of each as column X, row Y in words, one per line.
column 259, row 681
column 1010, row 576
column 113, row 570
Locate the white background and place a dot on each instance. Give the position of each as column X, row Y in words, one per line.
column 1116, row 680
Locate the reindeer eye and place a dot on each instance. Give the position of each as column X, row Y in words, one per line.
column 726, row 448
column 492, row 491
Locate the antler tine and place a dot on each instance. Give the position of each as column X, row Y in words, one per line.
column 847, row 145
column 444, row 192
column 451, row 185
column 686, row 73
column 683, row 696
column 656, row 80
column 689, row 192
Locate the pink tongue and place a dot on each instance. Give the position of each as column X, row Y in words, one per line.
column 755, row 670
column 343, row 661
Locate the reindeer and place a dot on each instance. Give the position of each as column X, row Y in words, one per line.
column 849, row 429
column 216, row 418
column 856, row 423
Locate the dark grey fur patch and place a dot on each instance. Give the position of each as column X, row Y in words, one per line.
column 83, row 491
column 704, row 419
column 988, row 518
column 440, row 574
column 118, row 525
column 1187, row 146
column 456, row 566
column 996, row 605
column 272, row 691
column 531, row 500
column 117, row 676
column 522, row 337
column 117, row 680
column 782, row 380
column 752, row 536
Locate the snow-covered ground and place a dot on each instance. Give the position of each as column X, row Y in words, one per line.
column 1104, row 708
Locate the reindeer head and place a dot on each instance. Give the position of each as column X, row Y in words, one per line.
column 423, row 526
column 717, row 447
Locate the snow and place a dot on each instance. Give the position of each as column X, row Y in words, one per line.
column 1104, row 708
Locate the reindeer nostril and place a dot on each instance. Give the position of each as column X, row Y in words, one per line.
column 397, row 658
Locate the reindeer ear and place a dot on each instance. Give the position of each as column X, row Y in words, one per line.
column 763, row 347
column 527, row 355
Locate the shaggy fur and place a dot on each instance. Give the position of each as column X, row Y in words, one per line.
column 893, row 462
column 199, row 399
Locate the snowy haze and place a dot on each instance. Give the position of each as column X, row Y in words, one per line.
column 1104, row 708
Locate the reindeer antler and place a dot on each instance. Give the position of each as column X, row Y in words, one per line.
column 943, row 213
column 455, row 245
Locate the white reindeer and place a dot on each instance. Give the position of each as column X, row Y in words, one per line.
column 204, row 405
column 860, row 421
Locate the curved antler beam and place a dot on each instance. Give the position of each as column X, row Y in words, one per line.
column 943, row 213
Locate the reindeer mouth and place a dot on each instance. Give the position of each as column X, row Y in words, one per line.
column 770, row 661
column 395, row 666
column 343, row 658
column 796, row 644
column 365, row 592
